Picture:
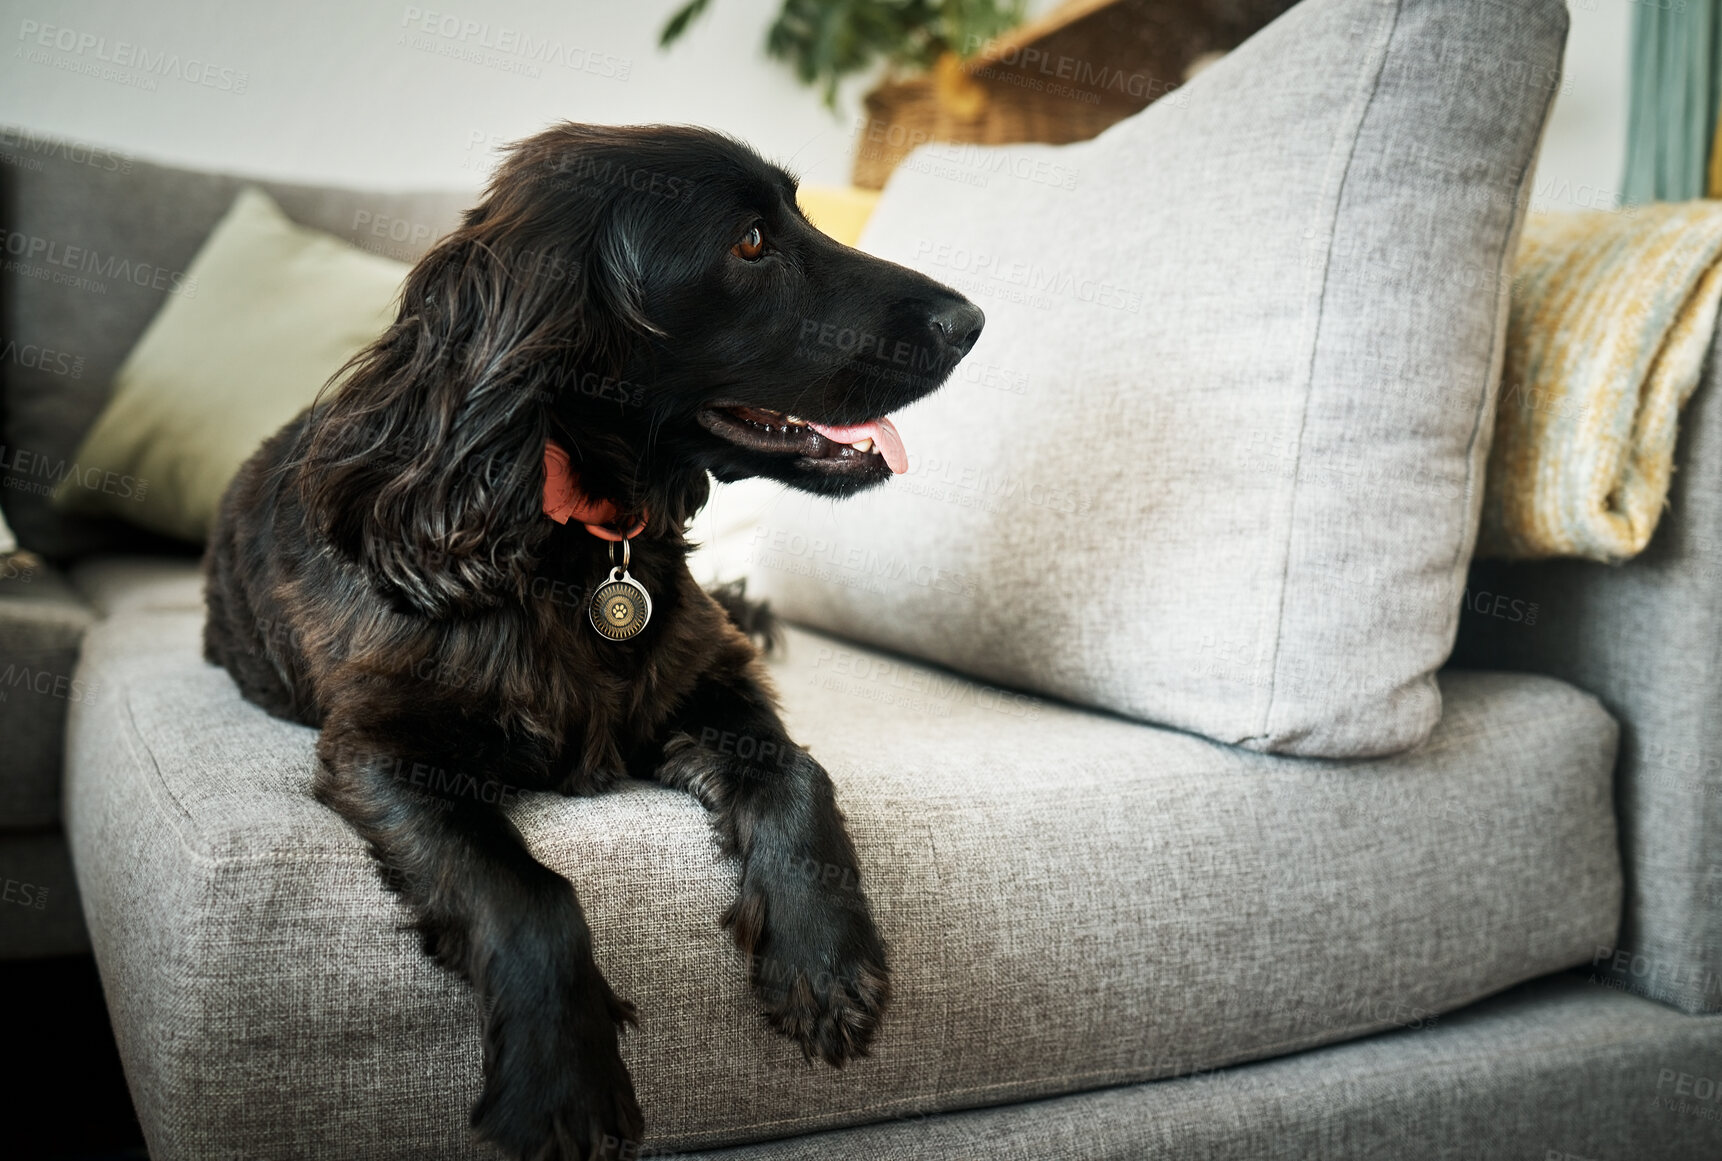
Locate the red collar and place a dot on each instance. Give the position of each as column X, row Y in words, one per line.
column 564, row 501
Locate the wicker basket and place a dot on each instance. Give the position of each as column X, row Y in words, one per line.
column 1066, row 77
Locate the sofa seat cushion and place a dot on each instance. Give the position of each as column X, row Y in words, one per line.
column 1071, row 901
column 1559, row 1069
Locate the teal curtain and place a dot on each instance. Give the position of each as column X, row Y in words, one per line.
column 1671, row 120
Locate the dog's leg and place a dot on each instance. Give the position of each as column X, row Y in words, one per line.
column 814, row 957
column 555, row 1086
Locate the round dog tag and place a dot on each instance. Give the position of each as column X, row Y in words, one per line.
column 620, row 607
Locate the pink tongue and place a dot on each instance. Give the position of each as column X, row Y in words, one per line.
column 885, row 440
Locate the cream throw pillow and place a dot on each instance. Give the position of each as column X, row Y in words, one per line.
column 277, row 309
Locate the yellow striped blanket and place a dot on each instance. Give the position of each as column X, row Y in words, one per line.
column 1611, row 318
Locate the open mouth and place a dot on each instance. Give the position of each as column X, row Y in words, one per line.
column 859, row 445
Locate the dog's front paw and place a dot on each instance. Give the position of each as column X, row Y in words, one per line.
column 832, row 1012
column 560, row 1093
column 815, row 961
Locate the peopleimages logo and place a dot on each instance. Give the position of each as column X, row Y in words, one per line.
column 468, row 39
column 852, row 566
column 41, row 475
column 48, row 684
column 991, row 271
column 973, row 162
column 33, row 252
column 26, row 145
column 123, row 54
column 1077, row 71
column 35, row 357
column 23, row 894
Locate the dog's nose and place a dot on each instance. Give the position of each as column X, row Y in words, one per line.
column 959, row 324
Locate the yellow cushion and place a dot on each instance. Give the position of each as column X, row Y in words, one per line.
column 839, row 210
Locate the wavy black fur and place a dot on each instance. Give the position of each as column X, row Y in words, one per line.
column 382, row 568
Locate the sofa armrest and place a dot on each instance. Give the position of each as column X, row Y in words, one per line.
column 42, row 624
column 1646, row 639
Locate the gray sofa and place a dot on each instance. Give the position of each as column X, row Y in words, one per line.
column 1109, row 940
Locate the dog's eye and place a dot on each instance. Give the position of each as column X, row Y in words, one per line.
column 751, row 246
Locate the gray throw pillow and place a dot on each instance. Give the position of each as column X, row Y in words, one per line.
column 1217, row 460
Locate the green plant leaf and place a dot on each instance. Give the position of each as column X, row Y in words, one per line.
column 824, row 41
column 678, row 23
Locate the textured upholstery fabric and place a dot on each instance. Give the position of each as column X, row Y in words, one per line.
column 39, row 911
column 1557, row 1070
column 94, row 244
column 131, row 584
column 42, row 622
column 1646, row 639
column 280, row 310
column 1071, row 901
column 1255, row 355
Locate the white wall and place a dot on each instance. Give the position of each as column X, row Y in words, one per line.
column 343, row 90
column 1585, row 145
column 336, row 90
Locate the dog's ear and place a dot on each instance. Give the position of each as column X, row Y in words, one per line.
column 426, row 465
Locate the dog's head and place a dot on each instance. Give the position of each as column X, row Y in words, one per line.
column 766, row 348
column 653, row 299
column 743, row 341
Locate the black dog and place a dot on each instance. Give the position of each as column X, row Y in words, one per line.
column 652, row 303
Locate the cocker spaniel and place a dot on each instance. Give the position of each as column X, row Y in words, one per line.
column 465, row 563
